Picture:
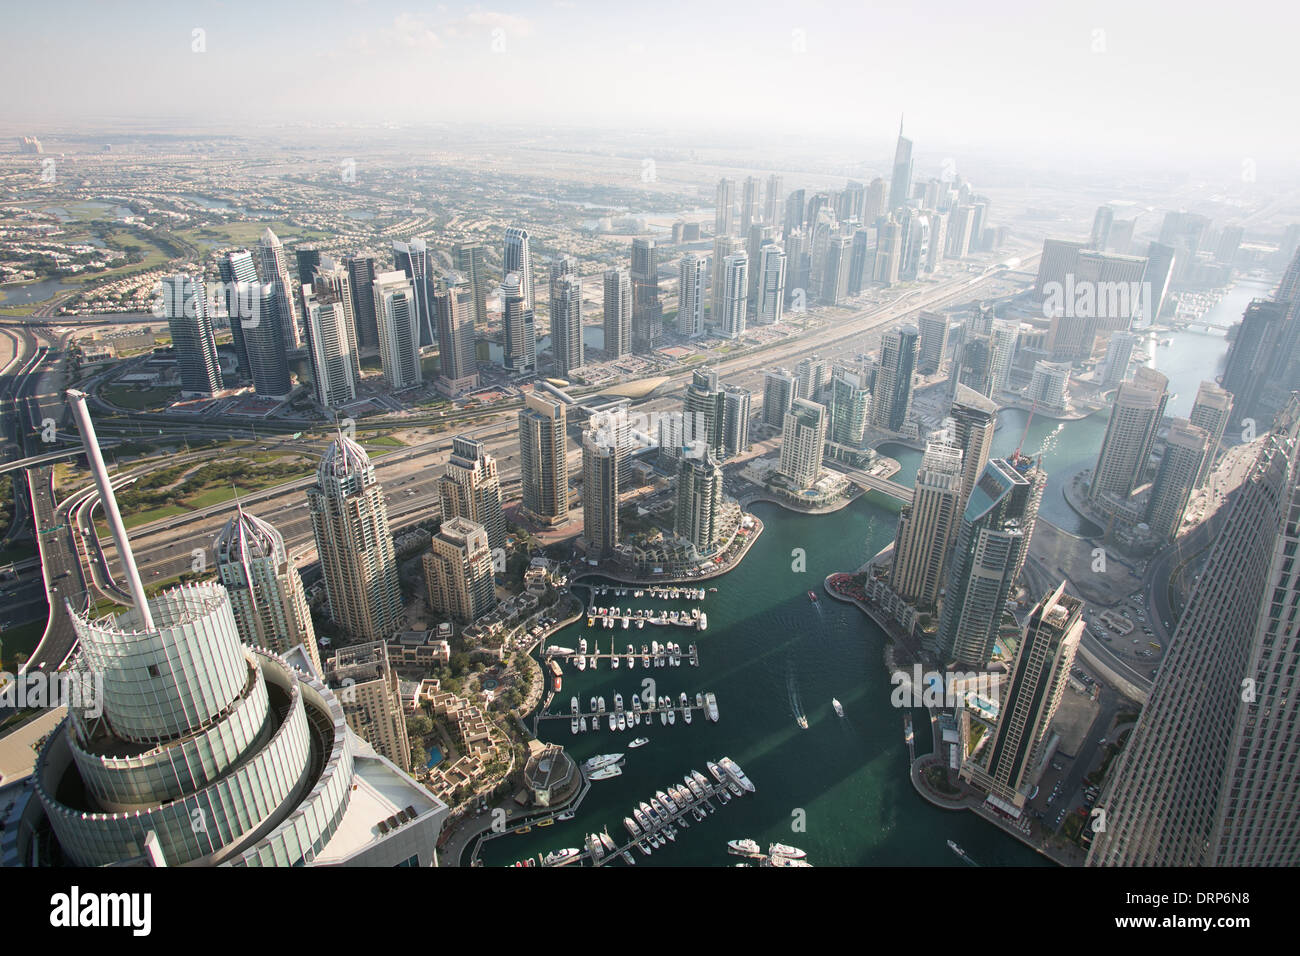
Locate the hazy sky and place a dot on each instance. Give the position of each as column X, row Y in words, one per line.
column 1111, row 78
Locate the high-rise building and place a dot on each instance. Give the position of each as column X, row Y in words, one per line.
column 974, row 420
column 758, row 238
column 900, row 183
column 273, row 268
column 928, row 526
column 236, row 270
column 1119, row 355
column 770, row 302
column 647, row 312
column 1158, row 277
column 972, row 364
column 1049, row 386
column 933, row 327
column 735, row 281
column 566, row 324
column 692, row 277
column 543, row 463
column 268, row 360
column 1207, row 776
column 849, row 407
column 862, row 256
column 748, row 203
column 333, row 378
column 371, row 694
column 618, row 313
column 891, row 401
column 1130, row 433
column 412, row 259
column 812, row 374
column 992, row 545
column 735, row 420
column 453, row 304
column 238, row 756
column 961, row 226
column 266, row 593
column 703, row 411
column 698, row 517
column 349, row 519
column 1211, row 411
column 331, row 283
column 780, row 389
column 723, row 246
column 308, row 258
column 471, row 488
column 803, row 442
column 458, row 571
column 518, row 259
column 518, row 326
column 600, row 491
column 361, row 280
column 1185, row 232
column 772, row 201
column 1015, row 758
column 1002, row 346
column 798, row 271
column 794, row 207
column 889, row 251
column 835, row 263
column 185, row 307
column 397, row 313
column 724, row 218
column 1253, row 357
column 1101, row 225
column 1186, row 448
column 468, row 257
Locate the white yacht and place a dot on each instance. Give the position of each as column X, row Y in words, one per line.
column 738, row 775
column 604, row 773
column 744, row 848
column 711, row 704
column 839, row 708
column 686, row 708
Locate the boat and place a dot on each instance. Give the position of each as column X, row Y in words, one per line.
column 812, row 596
column 618, row 703
column 600, row 705
column 735, row 788
column 558, row 856
column 744, row 848
column 582, row 724
column 524, row 830
column 639, row 742
column 599, row 761
column 789, row 852
column 593, row 705
column 839, row 708
column 958, row 850
column 802, row 721
column 650, row 815
column 700, row 780
column 786, row 861
column 622, row 721
column 672, row 716
column 625, row 620
column 641, row 818
column 608, row 842
column 631, row 827
column 613, row 721
column 663, row 712
column 548, row 822
column 699, row 701
column 670, row 833
column 604, row 773
column 573, row 725
column 566, row 815
column 711, row 704
column 686, row 708
column 723, row 795
column 717, row 772
column 699, row 814
column 573, row 706
column 738, row 775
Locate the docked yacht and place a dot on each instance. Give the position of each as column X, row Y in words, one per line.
column 686, row 708
column 639, row 742
column 600, row 705
column 672, row 714
column 613, row 721
column 738, row 775
column 599, row 761
column 711, row 705
column 789, row 852
column 559, row 856
column 604, row 773
column 744, row 848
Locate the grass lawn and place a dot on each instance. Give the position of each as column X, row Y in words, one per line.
column 19, row 642
column 244, row 234
column 144, row 517
column 139, row 398
column 388, row 440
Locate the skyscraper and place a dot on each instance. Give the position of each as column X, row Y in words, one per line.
column 772, row 201
column 268, row 361
column 850, row 404
column 266, row 594
column 1101, row 225
column 749, row 211
column 735, row 420
column 692, row 277
column 273, row 268
column 1130, row 433
column 468, row 257
column 702, row 410
column 458, row 571
column 331, row 283
column 517, row 258
column 1014, row 761
column 1119, row 354
column 735, row 280
column 1253, row 357
column 803, row 441
column 812, row 374
column 543, row 465
column 889, row 251
column 698, row 516
column 972, row 364
column 600, row 491
column 453, row 304
column 928, row 526
column 891, row 401
column 334, row 381
column 1002, row 345
column 1186, row 448
column 933, row 328
column 412, row 259
column 771, row 285
column 397, row 311
column 518, row 326
column 308, row 258
column 471, row 488
column 724, row 218
column 900, row 184
column 185, row 307
column 237, row 268
column 794, row 206
column 372, row 698
column 862, row 255
column 780, row 389
column 566, row 324
column 361, row 280
column 618, row 313
column 723, row 246
column 646, row 308
column 1207, row 776
column 1211, row 411
column 349, row 518
column 992, row 545
column 974, row 420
